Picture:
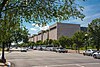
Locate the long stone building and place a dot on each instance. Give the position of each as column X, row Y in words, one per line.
column 56, row 31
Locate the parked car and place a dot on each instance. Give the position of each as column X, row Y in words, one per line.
column 54, row 49
column 49, row 48
column 96, row 54
column 88, row 52
column 38, row 47
column 43, row 47
column 61, row 50
column 34, row 48
column 23, row 49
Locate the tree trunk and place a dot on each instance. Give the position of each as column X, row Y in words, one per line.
column 85, row 47
column 2, row 6
column 98, row 44
column 78, row 50
column 3, row 55
column 9, row 44
column 98, row 47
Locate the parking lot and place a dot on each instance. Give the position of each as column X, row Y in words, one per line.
column 35, row 58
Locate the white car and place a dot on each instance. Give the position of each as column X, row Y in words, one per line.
column 89, row 52
column 23, row 49
column 61, row 50
column 96, row 54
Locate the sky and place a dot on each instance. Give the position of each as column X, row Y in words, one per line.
column 91, row 11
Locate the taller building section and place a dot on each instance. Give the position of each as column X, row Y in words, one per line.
column 66, row 29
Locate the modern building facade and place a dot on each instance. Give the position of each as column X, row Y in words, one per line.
column 45, row 35
column 56, row 31
column 31, row 39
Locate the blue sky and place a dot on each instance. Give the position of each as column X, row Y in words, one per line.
column 91, row 11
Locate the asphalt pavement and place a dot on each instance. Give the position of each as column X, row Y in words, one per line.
column 35, row 58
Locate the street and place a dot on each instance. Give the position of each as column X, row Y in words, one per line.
column 34, row 58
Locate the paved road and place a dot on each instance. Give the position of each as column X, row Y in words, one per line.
column 51, row 59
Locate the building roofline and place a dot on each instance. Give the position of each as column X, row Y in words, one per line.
column 55, row 24
column 68, row 23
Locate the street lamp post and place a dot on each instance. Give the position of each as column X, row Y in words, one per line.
column 86, row 41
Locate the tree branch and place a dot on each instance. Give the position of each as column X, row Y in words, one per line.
column 2, row 6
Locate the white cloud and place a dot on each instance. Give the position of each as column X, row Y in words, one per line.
column 86, row 20
column 33, row 24
column 33, row 32
column 45, row 27
column 36, row 25
column 33, row 29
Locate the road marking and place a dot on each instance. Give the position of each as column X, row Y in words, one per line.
column 79, row 65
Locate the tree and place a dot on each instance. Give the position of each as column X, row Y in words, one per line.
column 50, row 41
column 17, row 35
column 56, row 43
column 63, row 41
column 69, row 42
column 45, row 42
column 37, row 11
column 25, row 34
column 94, row 29
column 39, row 43
column 6, row 29
column 31, row 44
column 41, row 10
column 10, row 32
column 78, row 39
column 23, row 45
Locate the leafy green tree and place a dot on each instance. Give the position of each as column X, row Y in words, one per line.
column 23, row 45
column 24, row 35
column 91, row 41
column 74, row 46
column 56, row 43
column 69, row 42
column 41, row 10
column 63, row 41
column 94, row 29
column 46, row 42
column 21, row 34
column 6, row 29
column 39, row 43
column 78, row 39
column 17, row 35
column 66, row 41
column 38, row 11
column 10, row 32
column 31, row 44
column 50, row 41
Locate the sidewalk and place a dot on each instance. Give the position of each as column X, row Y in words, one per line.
column 74, row 51
column 3, row 65
column 7, row 64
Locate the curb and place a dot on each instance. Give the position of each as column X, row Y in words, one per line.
column 8, row 64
